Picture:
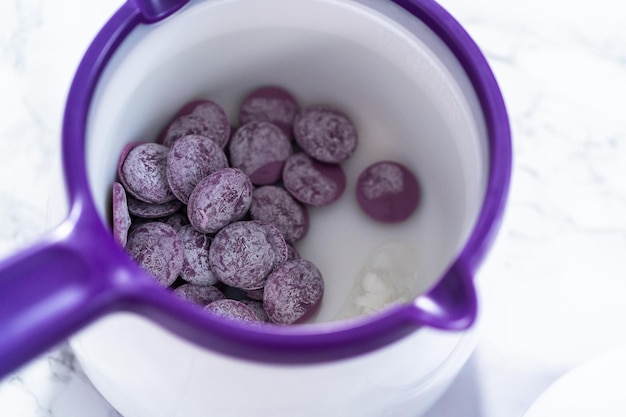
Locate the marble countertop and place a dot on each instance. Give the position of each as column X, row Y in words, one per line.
column 553, row 293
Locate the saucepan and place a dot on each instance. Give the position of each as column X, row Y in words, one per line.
column 420, row 92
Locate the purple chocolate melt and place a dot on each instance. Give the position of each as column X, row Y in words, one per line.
column 219, row 199
column 292, row 252
column 259, row 310
column 192, row 158
column 260, row 149
column 254, row 294
column 196, row 267
column 277, row 240
column 232, row 309
column 199, row 294
column 157, row 248
column 274, row 205
column 242, row 254
column 312, row 182
column 272, row 104
column 143, row 173
column 325, row 134
column 388, row 192
column 121, row 216
column 190, row 124
column 213, row 115
column 293, row 292
column 152, row 211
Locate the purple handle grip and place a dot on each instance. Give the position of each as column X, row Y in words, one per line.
column 47, row 293
column 74, row 274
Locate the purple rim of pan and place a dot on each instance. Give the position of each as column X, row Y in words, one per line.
column 79, row 273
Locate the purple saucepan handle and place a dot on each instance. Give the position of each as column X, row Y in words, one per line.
column 51, row 290
column 78, row 273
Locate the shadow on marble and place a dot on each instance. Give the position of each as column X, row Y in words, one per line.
column 463, row 398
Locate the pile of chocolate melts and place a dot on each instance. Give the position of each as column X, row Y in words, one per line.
column 214, row 212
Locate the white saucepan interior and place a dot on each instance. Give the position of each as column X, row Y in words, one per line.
column 407, row 97
column 411, row 102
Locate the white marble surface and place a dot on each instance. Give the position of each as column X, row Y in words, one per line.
column 553, row 291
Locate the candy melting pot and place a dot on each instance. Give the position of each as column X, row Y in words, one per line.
column 417, row 89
